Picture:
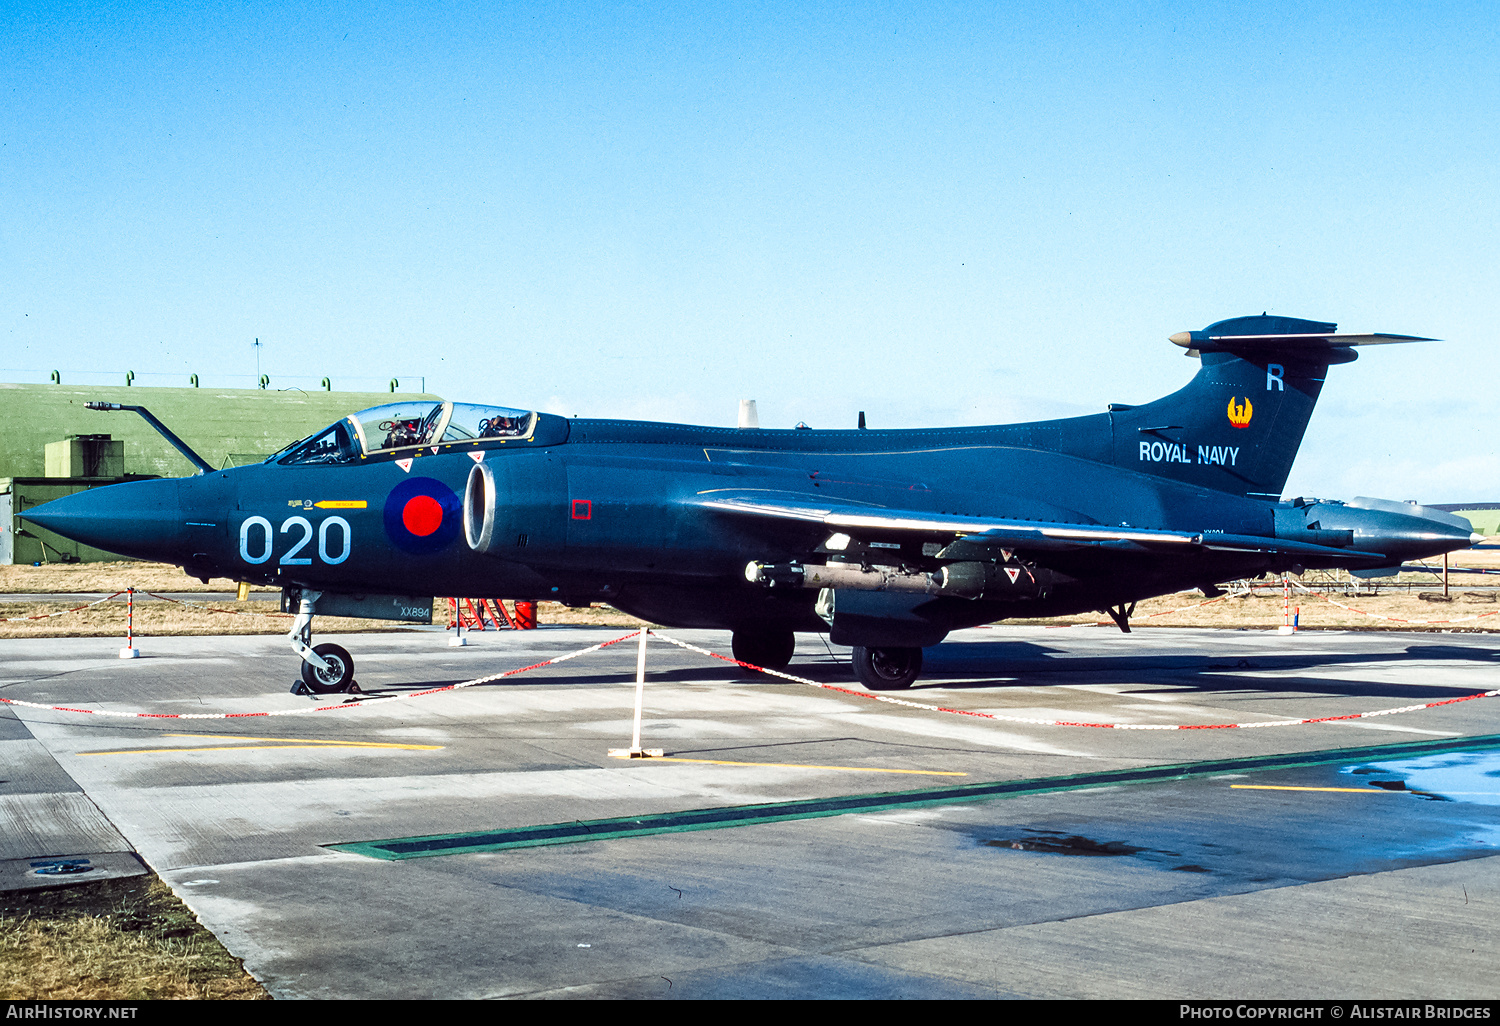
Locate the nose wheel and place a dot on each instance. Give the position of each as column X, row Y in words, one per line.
column 338, row 675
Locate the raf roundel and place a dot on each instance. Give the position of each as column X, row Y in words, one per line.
column 422, row 515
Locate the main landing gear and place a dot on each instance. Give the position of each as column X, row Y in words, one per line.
column 886, row 669
column 767, row 648
column 326, row 669
column 879, row 669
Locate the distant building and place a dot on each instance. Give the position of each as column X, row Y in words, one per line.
column 51, row 446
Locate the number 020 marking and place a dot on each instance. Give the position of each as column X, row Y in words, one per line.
column 264, row 525
column 287, row 525
column 343, row 526
column 290, row 524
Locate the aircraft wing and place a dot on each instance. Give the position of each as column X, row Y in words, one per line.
column 867, row 522
column 874, row 520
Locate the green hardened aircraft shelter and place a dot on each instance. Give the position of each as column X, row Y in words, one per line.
column 51, row 445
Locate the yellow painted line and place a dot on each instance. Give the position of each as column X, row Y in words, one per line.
column 341, row 504
column 1349, row 791
column 796, row 765
column 310, row 741
column 271, row 742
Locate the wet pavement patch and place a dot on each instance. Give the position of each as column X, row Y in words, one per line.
column 1069, row 845
column 1471, row 776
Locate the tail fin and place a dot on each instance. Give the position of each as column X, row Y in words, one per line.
column 1237, row 425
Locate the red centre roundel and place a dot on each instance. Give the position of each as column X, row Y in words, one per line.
column 422, row 515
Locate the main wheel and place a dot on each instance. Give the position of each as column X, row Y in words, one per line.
column 887, row 669
column 337, row 677
column 768, row 648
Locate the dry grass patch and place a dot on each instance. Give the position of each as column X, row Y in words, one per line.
column 165, row 619
column 106, row 577
column 594, row 616
column 115, row 940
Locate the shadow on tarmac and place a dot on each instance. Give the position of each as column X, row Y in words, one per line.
column 1001, row 665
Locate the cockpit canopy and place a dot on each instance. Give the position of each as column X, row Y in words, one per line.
column 383, row 429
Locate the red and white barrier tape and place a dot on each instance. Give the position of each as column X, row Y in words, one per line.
column 163, row 598
column 210, row 609
column 997, row 717
column 61, row 612
column 307, row 710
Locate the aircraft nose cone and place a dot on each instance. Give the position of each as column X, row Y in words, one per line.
column 138, row 518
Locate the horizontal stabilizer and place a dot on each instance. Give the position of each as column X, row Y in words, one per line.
column 1251, row 333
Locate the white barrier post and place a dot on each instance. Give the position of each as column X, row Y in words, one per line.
column 635, row 751
column 1286, row 606
column 130, row 651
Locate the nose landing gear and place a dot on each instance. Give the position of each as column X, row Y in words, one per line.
column 326, row 669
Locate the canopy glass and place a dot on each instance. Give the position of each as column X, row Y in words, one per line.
column 397, row 426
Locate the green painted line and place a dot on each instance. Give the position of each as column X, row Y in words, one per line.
column 816, row 808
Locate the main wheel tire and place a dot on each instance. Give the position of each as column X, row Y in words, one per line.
column 768, row 649
column 338, row 676
column 887, row 669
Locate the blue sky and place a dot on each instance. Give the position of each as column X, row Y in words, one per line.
column 939, row 214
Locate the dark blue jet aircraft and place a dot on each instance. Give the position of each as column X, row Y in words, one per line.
column 887, row 540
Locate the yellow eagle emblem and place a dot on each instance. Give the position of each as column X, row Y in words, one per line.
column 1240, row 411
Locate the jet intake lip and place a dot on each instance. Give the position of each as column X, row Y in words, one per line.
column 143, row 519
column 479, row 508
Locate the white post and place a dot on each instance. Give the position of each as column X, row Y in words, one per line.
column 635, row 751
column 640, row 693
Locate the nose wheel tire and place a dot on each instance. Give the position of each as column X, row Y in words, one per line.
column 770, row 649
column 338, row 676
column 887, row 669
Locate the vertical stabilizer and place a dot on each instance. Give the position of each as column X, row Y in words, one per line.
column 1237, row 425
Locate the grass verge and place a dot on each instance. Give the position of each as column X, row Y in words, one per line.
column 114, row 940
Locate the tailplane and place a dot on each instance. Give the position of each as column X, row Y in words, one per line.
column 1237, row 425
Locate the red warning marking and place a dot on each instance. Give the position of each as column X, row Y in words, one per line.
column 422, row 515
column 583, row 509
